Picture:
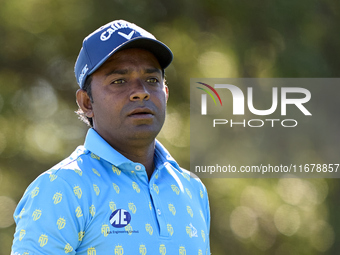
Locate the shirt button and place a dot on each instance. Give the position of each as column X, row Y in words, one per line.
column 138, row 167
column 159, row 212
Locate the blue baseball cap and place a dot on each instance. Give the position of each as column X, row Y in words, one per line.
column 112, row 37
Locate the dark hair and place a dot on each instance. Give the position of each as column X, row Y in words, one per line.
column 81, row 114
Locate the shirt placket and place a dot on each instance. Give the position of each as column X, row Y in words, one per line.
column 153, row 192
column 158, row 206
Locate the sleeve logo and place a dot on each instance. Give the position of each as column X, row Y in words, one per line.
column 91, row 251
column 43, row 239
column 135, row 187
column 112, row 206
column 182, row 251
column 162, row 249
column 189, row 210
column 172, row 209
column 22, row 234
column 119, row 250
column 57, row 197
column 105, row 230
column 36, row 215
column 79, row 212
column 116, row 188
column 96, row 189
column 132, row 208
column 77, row 191
column 188, row 192
column 156, row 189
column 92, row 210
column 61, row 223
column 68, row 248
column 170, row 229
column 142, row 249
column 35, row 192
column 116, row 170
column 149, row 228
column 175, row 189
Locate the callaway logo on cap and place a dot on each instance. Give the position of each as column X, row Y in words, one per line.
column 112, row 37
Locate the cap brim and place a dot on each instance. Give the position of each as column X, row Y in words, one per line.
column 157, row 48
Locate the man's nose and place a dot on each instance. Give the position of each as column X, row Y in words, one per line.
column 139, row 92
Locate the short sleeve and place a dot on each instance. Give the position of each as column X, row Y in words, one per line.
column 206, row 207
column 207, row 219
column 49, row 218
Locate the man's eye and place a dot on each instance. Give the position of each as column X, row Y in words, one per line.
column 120, row 81
column 152, row 80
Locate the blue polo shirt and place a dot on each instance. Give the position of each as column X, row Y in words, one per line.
column 98, row 202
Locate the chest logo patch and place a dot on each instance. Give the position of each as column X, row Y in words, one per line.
column 120, row 218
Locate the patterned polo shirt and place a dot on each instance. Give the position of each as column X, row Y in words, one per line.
column 96, row 201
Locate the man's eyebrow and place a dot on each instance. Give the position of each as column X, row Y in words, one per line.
column 125, row 71
column 153, row 70
column 117, row 71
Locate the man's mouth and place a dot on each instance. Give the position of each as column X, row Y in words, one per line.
column 141, row 113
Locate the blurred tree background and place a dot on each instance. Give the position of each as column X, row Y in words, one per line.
column 39, row 43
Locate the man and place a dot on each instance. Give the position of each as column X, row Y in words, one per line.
column 122, row 192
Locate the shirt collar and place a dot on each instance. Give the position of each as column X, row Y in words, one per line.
column 97, row 145
column 162, row 156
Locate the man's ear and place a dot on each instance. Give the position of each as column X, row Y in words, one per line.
column 84, row 103
column 166, row 92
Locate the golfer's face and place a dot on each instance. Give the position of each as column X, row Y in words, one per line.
column 129, row 97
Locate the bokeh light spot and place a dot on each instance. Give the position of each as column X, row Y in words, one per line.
column 287, row 220
column 243, row 222
column 37, row 102
column 7, row 207
column 291, row 190
column 173, row 130
column 322, row 236
column 216, row 64
column 255, row 198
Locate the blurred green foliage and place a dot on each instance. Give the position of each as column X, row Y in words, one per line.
column 40, row 40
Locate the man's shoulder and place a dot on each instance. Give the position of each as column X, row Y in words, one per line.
column 189, row 179
column 76, row 156
column 193, row 177
column 164, row 156
column 71, row 175
column 68, row 169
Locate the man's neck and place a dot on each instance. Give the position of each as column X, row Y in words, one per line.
column 139, row 150
column 143, row 154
